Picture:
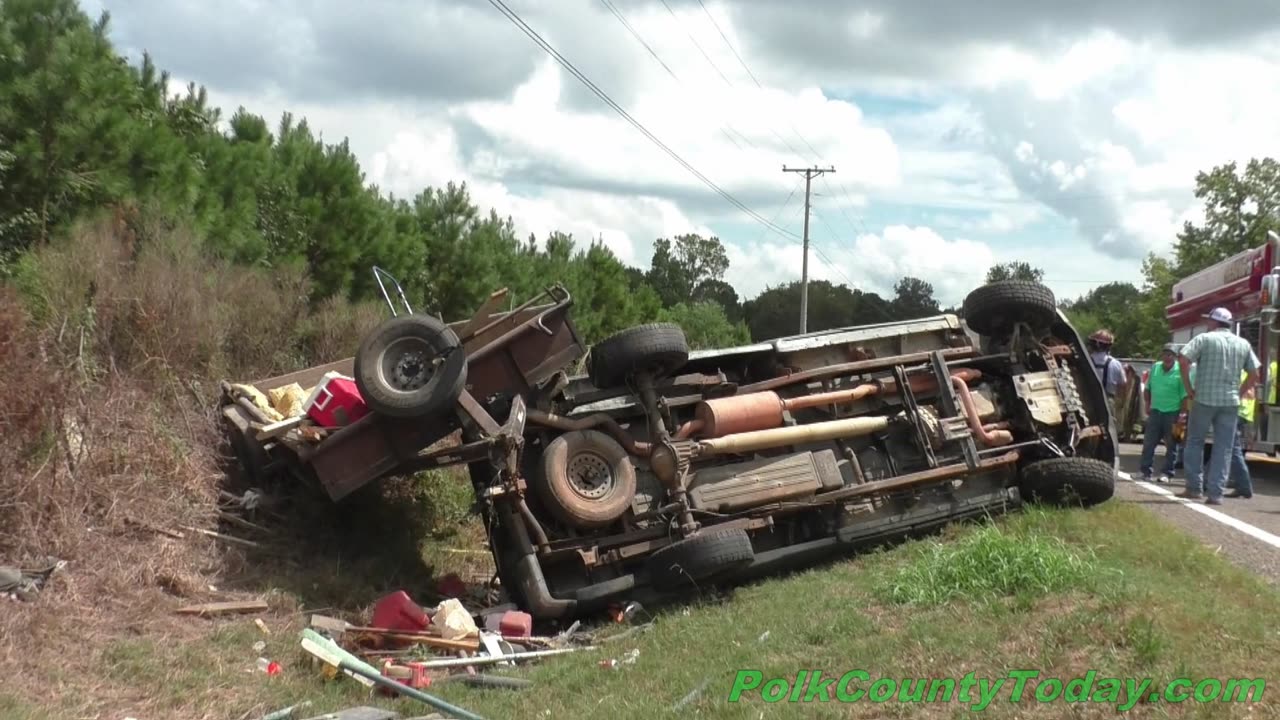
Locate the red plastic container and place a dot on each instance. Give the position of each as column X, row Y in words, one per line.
column 516, row 624
column 398, row 612
column 336, row 402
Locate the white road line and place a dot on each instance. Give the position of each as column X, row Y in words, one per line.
column 1200, row 507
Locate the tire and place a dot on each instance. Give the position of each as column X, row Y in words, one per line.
column 390, row 374
column 712, row 552
column 1068, row 481
column 659, row 348
column 587, row 480
column 994, row 308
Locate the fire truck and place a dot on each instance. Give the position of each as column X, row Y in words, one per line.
column 1247, row 284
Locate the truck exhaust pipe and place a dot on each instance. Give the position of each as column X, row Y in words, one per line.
column 798, row 434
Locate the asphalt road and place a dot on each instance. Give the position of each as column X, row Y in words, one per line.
column 1233, row 543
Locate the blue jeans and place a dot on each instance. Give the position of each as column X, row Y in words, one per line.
column 1239, row 468
column 1159, row 427
column 1223, row 422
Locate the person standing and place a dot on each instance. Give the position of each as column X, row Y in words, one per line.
column 1164, row 398
column 1109, row 369
column 1220, row 355
column 1239, row 476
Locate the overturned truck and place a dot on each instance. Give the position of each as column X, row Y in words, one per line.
column 659, row 468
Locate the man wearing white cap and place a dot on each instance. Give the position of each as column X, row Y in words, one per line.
column 1220, row 355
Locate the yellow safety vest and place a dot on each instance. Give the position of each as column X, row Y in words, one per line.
column 1249, row 400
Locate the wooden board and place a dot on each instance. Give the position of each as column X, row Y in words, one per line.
column 224, row 608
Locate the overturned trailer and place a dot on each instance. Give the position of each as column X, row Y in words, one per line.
column 659, row 468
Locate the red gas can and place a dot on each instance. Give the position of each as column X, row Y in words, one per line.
column 335, row 402
column 398, row 612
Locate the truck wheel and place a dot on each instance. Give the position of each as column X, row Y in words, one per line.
column 587, row 479
column 1068, row 481
column 995, row 307
column 712, row 552
column 411, row 366
column 659, row 348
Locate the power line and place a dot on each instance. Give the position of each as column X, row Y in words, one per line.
column 726, row 128
column 533, row 35
column 731, row 48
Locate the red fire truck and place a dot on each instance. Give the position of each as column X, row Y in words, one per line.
column 1247, row 284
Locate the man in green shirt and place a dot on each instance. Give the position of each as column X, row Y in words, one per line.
column 1165, row 396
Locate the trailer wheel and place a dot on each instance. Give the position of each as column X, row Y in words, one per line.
column 704, row 556
column 994, row 308
column 1069, row 481
column 411, row 366
column 659, row 348
column 587, row 479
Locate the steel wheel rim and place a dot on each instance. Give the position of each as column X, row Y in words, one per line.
column 590, row 475
column 406, row 365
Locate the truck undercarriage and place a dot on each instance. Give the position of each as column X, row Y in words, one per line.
column 661, row 469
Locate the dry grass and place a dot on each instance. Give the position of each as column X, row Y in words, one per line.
column 117, row 338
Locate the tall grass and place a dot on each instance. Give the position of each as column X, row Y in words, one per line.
column 988, row 562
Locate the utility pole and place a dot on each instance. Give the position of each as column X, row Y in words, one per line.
column 809, row 174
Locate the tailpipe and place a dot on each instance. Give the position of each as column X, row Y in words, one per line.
column 798, row 434
column 720, row 417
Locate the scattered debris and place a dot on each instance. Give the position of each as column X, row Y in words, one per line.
column 23, row 584
column 285, row 713
column 262, row 626
column 454, row 621
column 331, row 654
column 693, row 694
column 363, row 712
column 224, row 608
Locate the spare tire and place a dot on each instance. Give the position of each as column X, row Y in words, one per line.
column 704, row 556
column 994, row 308
column 659, row 348
column 1068, row 481
column 411, row 366
column 586, row 479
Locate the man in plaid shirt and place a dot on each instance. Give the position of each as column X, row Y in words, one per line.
column 1220, row 355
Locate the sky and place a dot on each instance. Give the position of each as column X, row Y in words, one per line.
column 961, row 134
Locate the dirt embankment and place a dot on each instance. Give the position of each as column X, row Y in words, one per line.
column 112, row 460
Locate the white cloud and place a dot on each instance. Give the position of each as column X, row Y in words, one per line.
column 950, row 265
column 1100, row 120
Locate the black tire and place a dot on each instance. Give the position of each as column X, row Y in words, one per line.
column 711, row 552
column 394, row 367
column 586, row 479
column 659, row 348
column 994, row 308
column 1068, row 481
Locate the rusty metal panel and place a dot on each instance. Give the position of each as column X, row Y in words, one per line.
column 1040, row 392
column 351, row 458
column 746, row 485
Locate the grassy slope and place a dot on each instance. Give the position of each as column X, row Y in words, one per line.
column 1152, row 602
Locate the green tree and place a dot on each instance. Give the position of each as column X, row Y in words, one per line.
column 679, row 268
column 65, row 101
column 1015, row 270
column 913, row 298
column 1113, row 306
column 1239, row 208
column 705, row 325
column 776, row 311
